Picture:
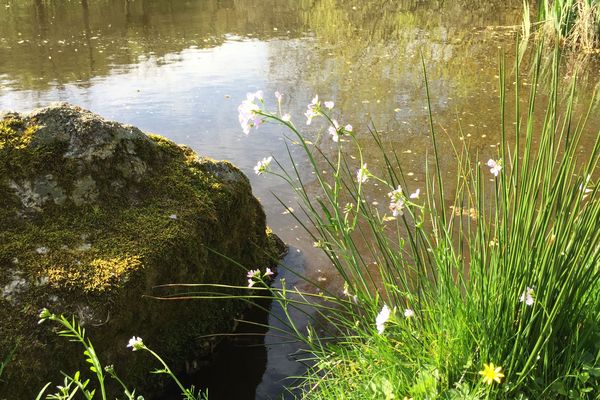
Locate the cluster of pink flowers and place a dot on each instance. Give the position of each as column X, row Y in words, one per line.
column 254, row 276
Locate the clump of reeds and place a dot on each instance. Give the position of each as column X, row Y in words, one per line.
column 575, row 23
column 488, row 290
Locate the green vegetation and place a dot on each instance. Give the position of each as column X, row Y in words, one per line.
column 575, row 23
column 94, row 216
column 484, row 286
column 76, row 384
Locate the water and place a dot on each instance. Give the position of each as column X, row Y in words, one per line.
column 180, row 68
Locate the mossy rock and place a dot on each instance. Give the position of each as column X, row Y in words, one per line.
column 94, row 215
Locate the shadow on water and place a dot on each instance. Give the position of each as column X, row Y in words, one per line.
column 255, row 361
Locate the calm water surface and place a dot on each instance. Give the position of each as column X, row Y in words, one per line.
column 180, row 68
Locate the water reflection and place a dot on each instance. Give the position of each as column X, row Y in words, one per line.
column 180, row 68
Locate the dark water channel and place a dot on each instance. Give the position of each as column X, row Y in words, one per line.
column 181, row 67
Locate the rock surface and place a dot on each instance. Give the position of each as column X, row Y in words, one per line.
column 93, row 216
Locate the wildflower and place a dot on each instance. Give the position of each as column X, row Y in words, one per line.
column 279, row 96
column 416, row 194
column 397, row 201
column 334, row 131
column 253, row 273
column 42, row 250
column 382, row 318
column 495, row 166
column 44, row 315
column 312, row 109
column 528, row 296
column 346, row 291
column 286, row 117
column 268, row 273
column 135, row 343
column 329, row 105
column 173, row 216
column 250, row 282
column 348, row 128
column 248, row 112
column 256, row 95
column 262, row 165
column 362, row 175
column 409, row 313
column 491, row 373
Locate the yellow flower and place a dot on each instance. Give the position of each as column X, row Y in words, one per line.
column 491, row 373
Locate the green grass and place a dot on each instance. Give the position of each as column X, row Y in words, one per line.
column 513, row 279
column 575, row 23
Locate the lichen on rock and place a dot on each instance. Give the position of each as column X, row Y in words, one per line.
column 96, row 214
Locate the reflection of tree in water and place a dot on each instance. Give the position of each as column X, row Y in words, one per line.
column 449, row 33
column 61, row 42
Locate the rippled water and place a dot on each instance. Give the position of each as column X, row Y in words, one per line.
column 180, row 68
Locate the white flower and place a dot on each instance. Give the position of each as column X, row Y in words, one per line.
column 262, row 165
column 382, row 318
column 135, row 343
column 310, row 114
column 173, row 216
column 409, row 313
column 279, row 96
column 312, row 109
column 362, row 175
column 495, row 166
column 528, row 296
column 253, row 273
column 346, row 291
column 250, row 282
column 397, row 202
column 334, row 134
column 416, row 194
column 348, row 128
column 286, row 117
column 329, row 104
column 248, row 116
column 268, row 273
column 256, row 95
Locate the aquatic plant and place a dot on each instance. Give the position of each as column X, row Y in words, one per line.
column 575, row 23
column 76, row 385
column 497, row 269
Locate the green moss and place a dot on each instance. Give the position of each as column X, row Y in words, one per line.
column 155, row 214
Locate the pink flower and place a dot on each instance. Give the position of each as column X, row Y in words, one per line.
column 268, row 273
column 397, row 201
column 495, row 166
column 253, row 273
column 248, row 112
column 329, row 105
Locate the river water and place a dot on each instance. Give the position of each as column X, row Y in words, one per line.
column 180, row 69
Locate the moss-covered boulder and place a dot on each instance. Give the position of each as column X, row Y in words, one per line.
column 93, row 216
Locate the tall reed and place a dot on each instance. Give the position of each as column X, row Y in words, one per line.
column 484, row 285
column 575, row 23
column 488, row 290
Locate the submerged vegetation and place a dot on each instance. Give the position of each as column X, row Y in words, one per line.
column 486, row 285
